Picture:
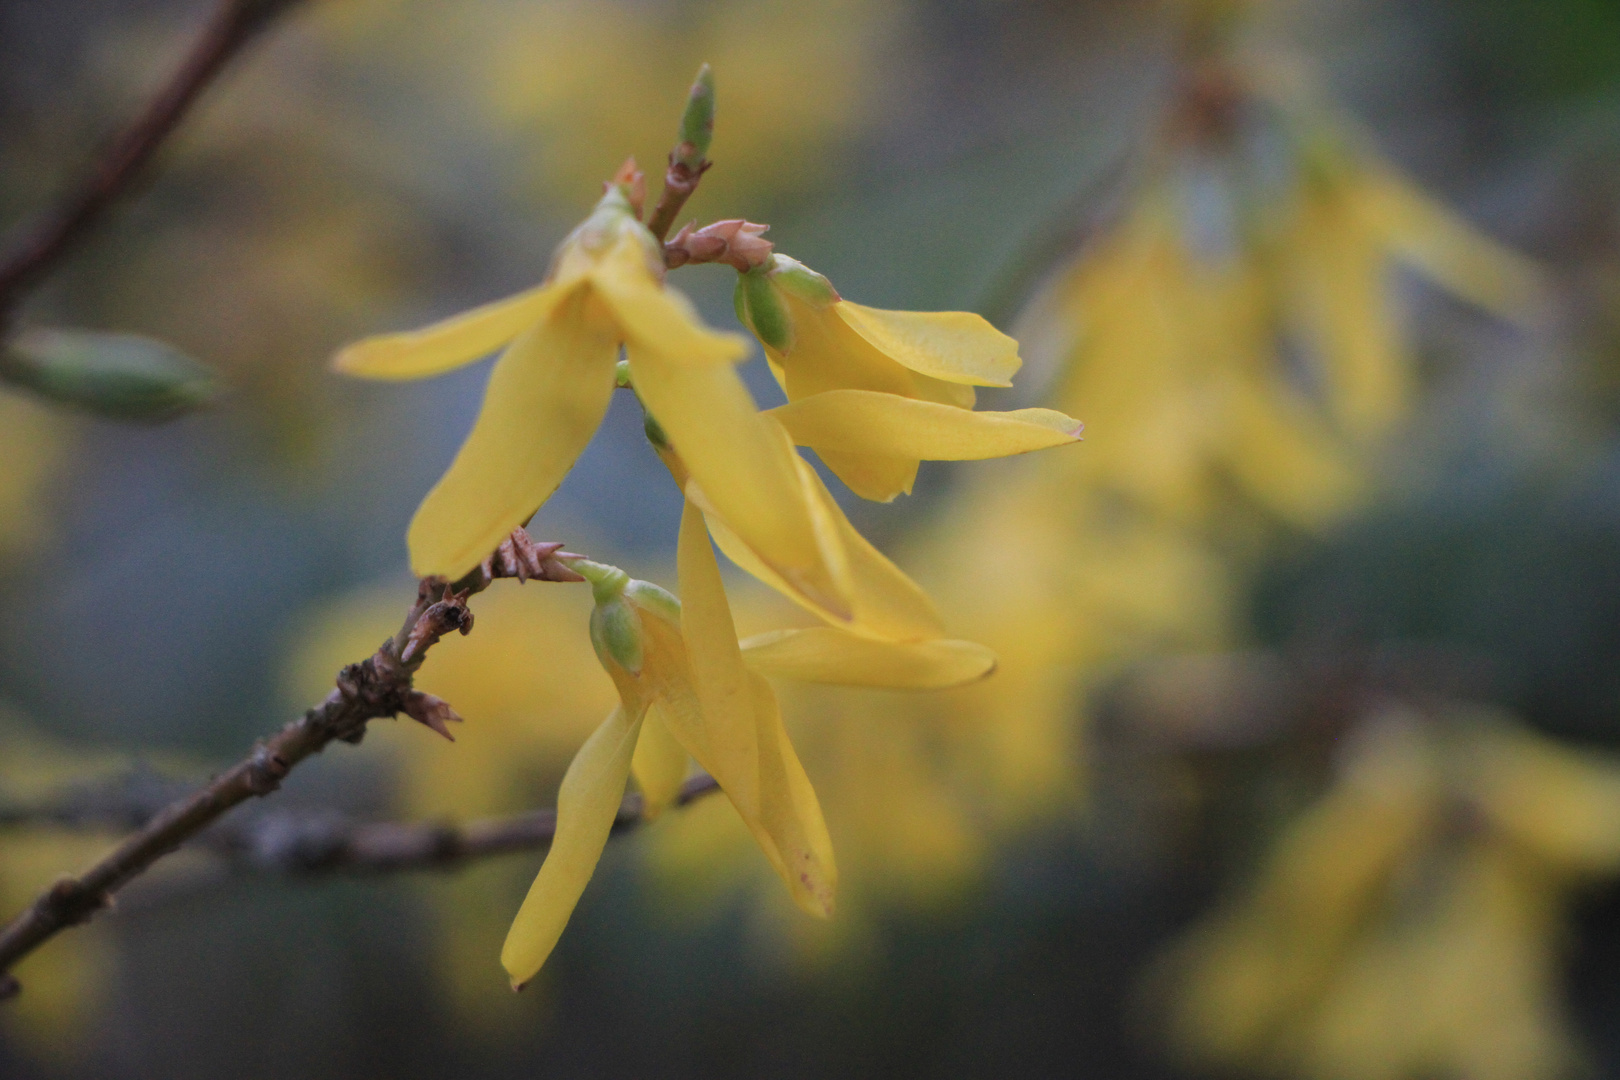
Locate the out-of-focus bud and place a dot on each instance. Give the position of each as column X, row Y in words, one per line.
column 632, row 184
column 123, row 376
column 697, row 122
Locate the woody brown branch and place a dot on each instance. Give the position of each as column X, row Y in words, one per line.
column 680, row 181
column 234, row 24
column 377, row 687
column 305, row 843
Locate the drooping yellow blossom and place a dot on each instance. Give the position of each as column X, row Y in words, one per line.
column 550, row 389
column 685, row 689
column 874, row 392
column 1409, row 924
column 1240, row 322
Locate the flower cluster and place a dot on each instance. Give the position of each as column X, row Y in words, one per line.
column 873, row 392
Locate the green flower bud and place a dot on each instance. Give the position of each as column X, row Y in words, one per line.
column 697, row 122
column 760, row 308
column 799, row 281
column 124, row 376
column 615, row 625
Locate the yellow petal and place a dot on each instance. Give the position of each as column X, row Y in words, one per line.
column 455, row 341
column 863, row 422
column 587, row 804
column 1450, row 251
column 790, row 811
column 956, row 346
column 659, row 765
column 746, row 468
column 826, row 654
column 884, row 603
column 747, row 748
column 873, row 441
column 657, row 318
column 545, row 399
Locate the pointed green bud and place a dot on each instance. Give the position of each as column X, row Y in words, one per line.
column 760, row 308
column 697, row 122
column 124, row 376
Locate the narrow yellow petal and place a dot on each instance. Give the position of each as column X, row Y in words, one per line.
column 863, row 422
column 659, row 765
column 587, row 804
column 718, row 675
column 657, row 318
column 873, row 441
column 1453, row 253
column 875, row 477
column 447, row 345
column 746, row 468
column 885, row 603
column 790, row 812
column 825, row 654
column 956, row 346
column 546, row 398
column 743, row 744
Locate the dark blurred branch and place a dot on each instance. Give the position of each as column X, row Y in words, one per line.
column 377, row 687
column 36, row 252
column 303, row 840
column 316, row 843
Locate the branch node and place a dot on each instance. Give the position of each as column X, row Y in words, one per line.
column 266, row 769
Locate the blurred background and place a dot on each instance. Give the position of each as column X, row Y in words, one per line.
column 1303, row 759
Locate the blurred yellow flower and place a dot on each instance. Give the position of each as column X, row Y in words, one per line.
column 1241, row 322
column 1408, row 925
column 31, row 445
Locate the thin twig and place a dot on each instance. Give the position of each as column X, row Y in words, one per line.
column 32, row 256
column 689, row 160
column 377, row 687
column 291, row 842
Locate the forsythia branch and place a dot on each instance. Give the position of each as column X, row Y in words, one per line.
column 379, row 686
column 311, row 840
column 234, row 24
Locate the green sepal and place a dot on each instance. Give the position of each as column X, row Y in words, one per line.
column 761, row 309
column 800, row 282
column 616, row 634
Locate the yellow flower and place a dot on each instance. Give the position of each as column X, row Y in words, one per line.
column 550, row 389
column 685, row 689
column 1381, row 941
column 875, row 392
